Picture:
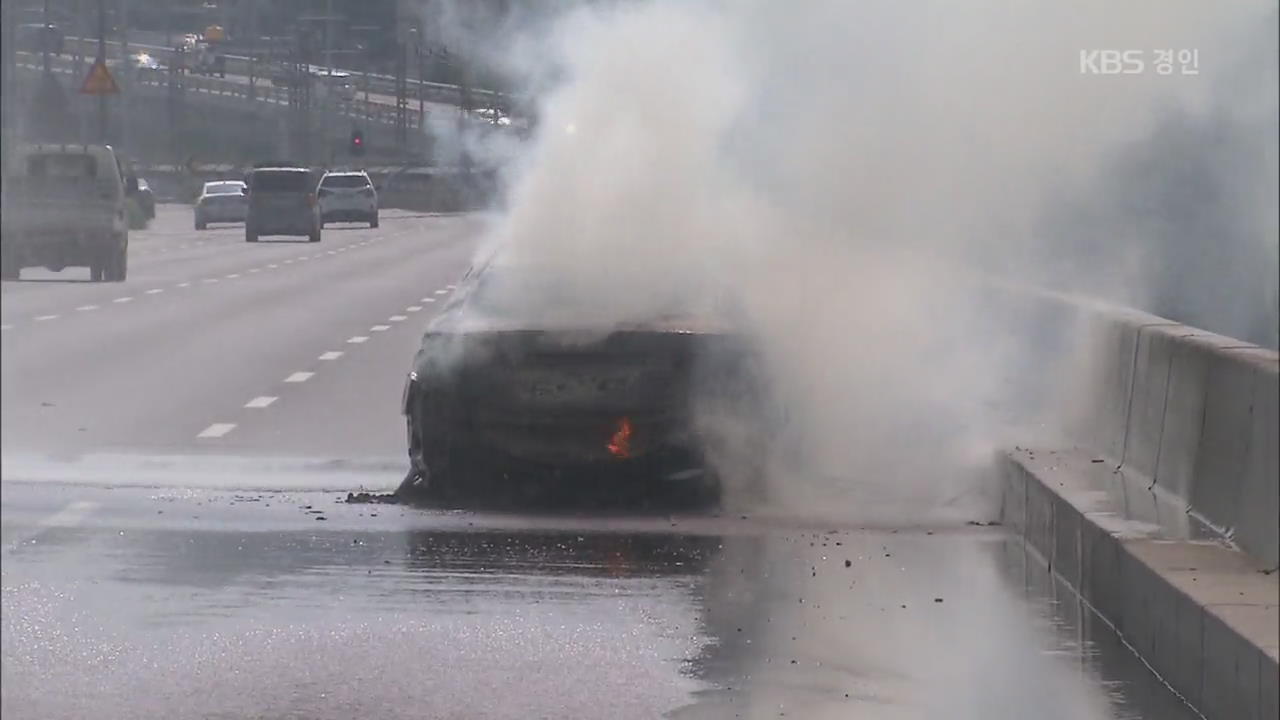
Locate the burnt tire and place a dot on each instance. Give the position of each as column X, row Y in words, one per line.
column 433, row 468
column 116, row 266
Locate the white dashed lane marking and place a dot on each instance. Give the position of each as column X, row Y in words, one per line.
column 451, row 287
column 357, row 339
column 184, row 284
column 42, row 318
column 380, row 328
column 331, row 355
column 413, row 308
column 155, row 291
column 397, row 318
column 6, row 327
column 69, row 516
column 299, row 377
column 260, row 401
column 273, row 266
column 87, row 308
column 123, row 300
column 428, row 300
column 441, row 292
column 216, row 430
column 233, row 276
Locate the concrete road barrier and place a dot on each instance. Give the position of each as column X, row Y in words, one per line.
column 1161, row 511
column 1201, row 614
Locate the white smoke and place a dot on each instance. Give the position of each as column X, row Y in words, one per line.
column 846, row 169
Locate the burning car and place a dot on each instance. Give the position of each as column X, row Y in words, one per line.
column 517, row 381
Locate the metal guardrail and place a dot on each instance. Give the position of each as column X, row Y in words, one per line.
column 358, row 109
column 244, row 66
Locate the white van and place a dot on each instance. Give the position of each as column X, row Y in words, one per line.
column 64, row 206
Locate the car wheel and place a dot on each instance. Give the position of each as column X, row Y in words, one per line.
column 315, row 236
column 116, row 268
column 373, row 221
column 433, row 469
column 201, row 225
column 96, row 271
column 9, row 271
column 250, row 235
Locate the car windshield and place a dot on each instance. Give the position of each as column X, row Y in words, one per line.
column 223, row 188
column 281, row 181
column 345, row 181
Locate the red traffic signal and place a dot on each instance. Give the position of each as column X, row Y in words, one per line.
column 357, row 142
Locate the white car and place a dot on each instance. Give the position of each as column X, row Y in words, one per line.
column 335, row 83
column 221, row 201
column 348, row 196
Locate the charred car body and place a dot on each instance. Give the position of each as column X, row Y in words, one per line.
column 508, row 391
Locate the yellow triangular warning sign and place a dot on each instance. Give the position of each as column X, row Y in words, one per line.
column 99, row 81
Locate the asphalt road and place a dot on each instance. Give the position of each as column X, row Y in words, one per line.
column 177, row 448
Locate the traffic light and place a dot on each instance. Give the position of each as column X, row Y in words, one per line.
column 357, row 142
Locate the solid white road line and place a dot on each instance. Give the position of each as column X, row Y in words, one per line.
column 216, row 430
column 260, row 401
column 299, row 377
column 380, row 328
column 331, row 355
column 357, row 339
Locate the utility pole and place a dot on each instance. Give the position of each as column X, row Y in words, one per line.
column 126, row 74
column 422, row 95
column 102, row 58
column 45, row 38
column 328, row 36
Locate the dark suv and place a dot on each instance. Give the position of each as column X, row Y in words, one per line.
column 282, row 201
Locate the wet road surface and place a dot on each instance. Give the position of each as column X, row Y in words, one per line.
column 176, row 545
column 173, row 603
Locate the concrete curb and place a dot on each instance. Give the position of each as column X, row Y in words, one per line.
column 1201, row 614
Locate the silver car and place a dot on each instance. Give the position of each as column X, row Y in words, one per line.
column 220, row 202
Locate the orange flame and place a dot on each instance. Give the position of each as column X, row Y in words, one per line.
column 620, row 444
